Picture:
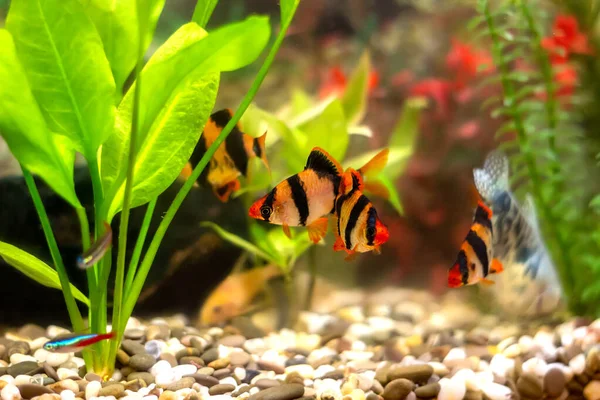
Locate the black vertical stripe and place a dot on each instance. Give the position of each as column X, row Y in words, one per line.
column 234, row 145
column 221, row 117
column 371, row 222
column 357, row 209
column 463, row 267
column 196, row 156
column 256, row 148
column 482, row 217
column 269, row 200
column 299, row 197
column 480, row 250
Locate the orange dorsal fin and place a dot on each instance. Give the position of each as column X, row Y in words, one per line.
column 376, row 164
column 320, row 161
column 378, row 189
column 487, row 282
column 317, row 229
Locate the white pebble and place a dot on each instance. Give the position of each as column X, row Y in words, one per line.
column 80, row 362
column 495, row 391
column 452, row 389
column 203, row 390
column 92, row 389
column 40, row 355
column 322, row 370
column 155, row 347
column 305, row 370
column 512, row 351
column 357, row 355
column 7, row 378
column 255, row 346
column 53, row 331
column 22, row 380
column 133, row 323
column 165, row 378
column 577, row 364
column 500, row 365
column 526, row 343
column 67, row 395
column 65, row 373
column 184, row 369
column 456, row 353
column 219, row 397
column 151, row 397
column 10, row 392
column 439, row 368
column 182, row 393
column 174, row 346
column 160, row 367
column 239, row 373
column 467, row 377
column 254, row 390
column 36, row 344
column 56, row 359
column 359, row 331
column 535, row 366
column 18, row 357
column 132, row 396
column 358, row 345
column 229, row 380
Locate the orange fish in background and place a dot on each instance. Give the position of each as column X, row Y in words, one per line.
column 230, row 161
column 234, row 296
column 475, row 259
column 358, row 227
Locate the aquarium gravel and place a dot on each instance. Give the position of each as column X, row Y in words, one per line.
column 391, row 352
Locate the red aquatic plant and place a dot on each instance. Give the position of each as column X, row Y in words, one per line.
column 336, row 81
column 465, row 61
column 566, row 39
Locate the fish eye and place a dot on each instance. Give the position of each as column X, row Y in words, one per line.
column 371, row 231
column 265, row 211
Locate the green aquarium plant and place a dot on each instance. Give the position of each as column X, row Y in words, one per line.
column 294, row 131
column 64, row 64
column 543, row 135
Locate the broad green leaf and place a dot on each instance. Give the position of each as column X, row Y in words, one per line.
column 354, row 100
column 287, row 249
column 24, row 129
column 35, row 269
column 64, row 61
column 256, row 121
column 117, row 24
column 258, row 234
column 394, row 198
column 301, row 102
column 190, row 49
column 169, row 144
column 407, row 127
column 258, row 179
column 203, row 11
column 328, row 131
column 239, row 242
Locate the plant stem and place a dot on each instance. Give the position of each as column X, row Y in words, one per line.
column 312, row 265
column 522, row 138
column 117, row 323
column 139, row 245
column 140, row 278
column 74, row 314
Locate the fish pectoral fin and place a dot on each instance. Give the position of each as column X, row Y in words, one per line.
column 487, row 282
column 377, row 250
column 286, row 230
column 376, row 164
column 317, row 229
column 339, row 244
column 377, row 189
column 351, row 255
column 496, row 266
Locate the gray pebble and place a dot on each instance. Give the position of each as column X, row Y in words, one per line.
column 233, row 341
column 417, row 373
column 29, row 390
column 222, row 373
column 337, row 374
column 145, row 376
column 134, row 334
column 428, row 391
column 135, row 385
column 170, row 358
column 188, row 352
column 114, row 389
column 266, row 383
column 205, row 380
column 133, row 347
column 241, row 390
column 398, row 389
column 142, row 362
column 210, row 355
column 197, row 361
column 221, row 388
column 127, row 370
column 18, row 347
column 90, row 376
column 183, row 383
column 269, row 366
column 206, row 370
column 31, row 331
column 281, row 392
column 162, row 332
column 554, row 382
column 47, row 381
column 23, row 368
column 197, row 343
column 373, row 396
column 50, row 371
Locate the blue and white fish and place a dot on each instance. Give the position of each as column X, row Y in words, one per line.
column 96, row 250
column 73, row 342
column 518, row 243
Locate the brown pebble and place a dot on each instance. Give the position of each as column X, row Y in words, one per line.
column 170, row 358
column 145, row 376
column 18, row 347
column 266, row 383
column 373, row 396
column 530, row 386
column 127, row 370
column 377, row 387
column 206, row 370
column 282, row 392
column 90, row 376
column 269, row 366
column 66, row 384
column 221, row 388
column 188, row 352
column 31, row 331
column 428, row 391
column 122, row 357
column 397, row 389
column 29, row 390
column 115, row 389
column 47, row 396
column 554, row 382
column 294, row 377
column 582, row 379
column 239, row 358
column 222, row 373
column 161, row 332
column 473, row 395
column 381, row 373
column 197, row 361
column 183, row 383
column 205, row 380
column 219, row 363
column 416, row 373
column 168, row 395
column 135, row 384
column 241, row 390
column 233, row 341
column 50, row 371
column 197, row 343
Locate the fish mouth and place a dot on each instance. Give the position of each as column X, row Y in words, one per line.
column 454, row 277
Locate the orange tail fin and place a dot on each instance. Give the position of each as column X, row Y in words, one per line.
column 376, row 164
column 260, row 150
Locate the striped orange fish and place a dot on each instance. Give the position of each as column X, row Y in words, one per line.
column 231, row 158
column 359, row 228
column 475, row 259
column 304, row 199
